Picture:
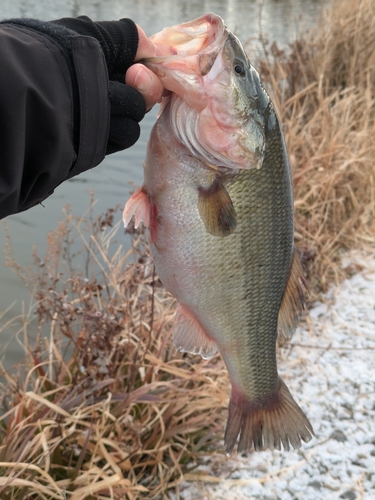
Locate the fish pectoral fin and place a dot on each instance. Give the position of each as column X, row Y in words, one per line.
column 189, row 335
column 139, row 206
column 267, row 422
column 293, row 302
column 216, row 209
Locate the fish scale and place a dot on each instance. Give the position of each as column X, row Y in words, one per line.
column 261, row 231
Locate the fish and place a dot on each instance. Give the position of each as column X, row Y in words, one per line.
column 217, row 200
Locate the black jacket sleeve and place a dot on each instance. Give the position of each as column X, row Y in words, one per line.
column 54, row 111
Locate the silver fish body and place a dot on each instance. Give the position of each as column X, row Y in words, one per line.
column 221, row 230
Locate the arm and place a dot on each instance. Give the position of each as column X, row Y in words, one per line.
column 59, row 111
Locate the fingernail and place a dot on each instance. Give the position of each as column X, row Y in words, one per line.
column 143, row 80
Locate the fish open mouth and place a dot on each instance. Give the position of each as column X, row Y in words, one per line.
column 190, row 38
column 188, row 47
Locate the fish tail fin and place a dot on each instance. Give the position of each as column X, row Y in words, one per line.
column 267, row 423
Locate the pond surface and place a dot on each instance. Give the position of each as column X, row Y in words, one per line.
column 280, row 20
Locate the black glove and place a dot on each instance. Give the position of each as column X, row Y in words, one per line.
column 119, row 42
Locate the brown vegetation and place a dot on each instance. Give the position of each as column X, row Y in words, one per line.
column 324, row 91
column 105, row 408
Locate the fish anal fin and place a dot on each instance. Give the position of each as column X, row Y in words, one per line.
column 190, row 336
column 139, row 206
column 216, row 209
column 293, row 301
column 267, row 423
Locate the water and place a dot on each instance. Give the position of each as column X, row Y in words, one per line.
column 280, row 20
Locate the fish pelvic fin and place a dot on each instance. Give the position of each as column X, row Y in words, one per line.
column 293, row 301
column 139, row 206
column 216, row 209
column 269, row 423
column 189, row 336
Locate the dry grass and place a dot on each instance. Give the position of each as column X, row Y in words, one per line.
column 104, row 407
column 324, row 90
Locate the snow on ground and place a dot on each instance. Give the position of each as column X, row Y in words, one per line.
column 329, row 366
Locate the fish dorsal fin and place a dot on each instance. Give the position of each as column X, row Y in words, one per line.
column 216, row 209
column 293, row 302
column 190, row 336
column 139, row 206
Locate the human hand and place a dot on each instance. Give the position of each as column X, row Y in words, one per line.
column 140, row 77
column 133, row 89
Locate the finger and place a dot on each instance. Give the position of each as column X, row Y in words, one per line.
column 126, row 101
column 145, row 47
column 123, row 133
column 146, row 82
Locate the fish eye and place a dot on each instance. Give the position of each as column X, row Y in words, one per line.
column 239, row 68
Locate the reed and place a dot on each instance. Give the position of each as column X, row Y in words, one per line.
column 104, row 407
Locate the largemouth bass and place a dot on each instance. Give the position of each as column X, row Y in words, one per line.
column 217, row 199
